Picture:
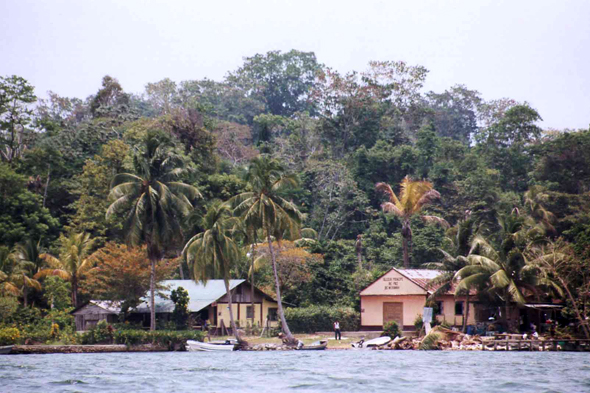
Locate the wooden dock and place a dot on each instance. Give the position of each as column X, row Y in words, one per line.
column 536, row 345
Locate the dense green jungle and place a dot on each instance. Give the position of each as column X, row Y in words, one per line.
column 332, row 178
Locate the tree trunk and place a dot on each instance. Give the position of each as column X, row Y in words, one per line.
column 290, row 339
column 406, row 243
column 406, row 255
column 181, row 270
column 152, row 294
column 507, row 316
column 252, row 288
column 576, row 309
column 25, row 294
column 232, row 322
column 74, row 291
column 466, row 313
column 359, row 251
column 46, row 185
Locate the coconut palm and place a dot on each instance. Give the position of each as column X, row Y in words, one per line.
column 72, row 263
column 28, row 255
column 213, row 253
column 7, row 265
column 414, row 195
column 153, row 201
column 264, row 208
column 557, row 266
column 502, row 269
column 535, row 199
column 460, row 237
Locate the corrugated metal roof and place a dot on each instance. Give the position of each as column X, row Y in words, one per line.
column 420, row 276
column 200, row 295
column 112, row 306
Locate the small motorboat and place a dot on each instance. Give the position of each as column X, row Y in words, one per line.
column 5, row 350
column 376, row 342
column 214, row 346
column 315, row 346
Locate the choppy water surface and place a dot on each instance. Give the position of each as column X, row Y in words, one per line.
column 337, row 371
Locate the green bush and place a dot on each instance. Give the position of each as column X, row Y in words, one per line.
column 391, row 329
column 9, row 336
column 100, row 334
column 322, row 318
column 167, row 338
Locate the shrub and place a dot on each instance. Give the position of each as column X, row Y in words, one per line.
column 101, row 333
column 160, row 337
column 9, row 335
column 391, row 329
column 321, row 318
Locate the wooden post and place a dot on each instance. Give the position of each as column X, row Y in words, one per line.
column 495, row 344
column 519, row 343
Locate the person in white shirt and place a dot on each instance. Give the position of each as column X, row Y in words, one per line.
column 337, row 335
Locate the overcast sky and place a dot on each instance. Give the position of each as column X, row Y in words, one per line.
column 536, row 51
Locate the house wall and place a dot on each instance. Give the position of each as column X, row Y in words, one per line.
column 240, row 317
column 89, row 315
column 372, row 309
column 448, row 312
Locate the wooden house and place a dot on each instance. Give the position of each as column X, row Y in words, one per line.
column 88, row 315
column 208, row 302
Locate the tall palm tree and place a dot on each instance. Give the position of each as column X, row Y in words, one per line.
column 557, row 267
column 73, row 261
column 414, row 195
column 503, row 269
column 213, row 253
column 460, row 237
column 264, row 208
column 28, row 254
column 535, row 199
column 153, row 200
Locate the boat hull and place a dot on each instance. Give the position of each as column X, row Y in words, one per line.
column 197, row 346
column 5, row 350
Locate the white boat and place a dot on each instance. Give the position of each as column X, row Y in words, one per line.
column 214, row 346
column 376, row 342
column 6, row 349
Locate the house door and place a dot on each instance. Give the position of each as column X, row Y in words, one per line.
column 393, row 312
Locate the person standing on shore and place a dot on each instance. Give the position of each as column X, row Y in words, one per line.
column 337, row 335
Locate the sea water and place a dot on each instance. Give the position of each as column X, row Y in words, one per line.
column 310, row 371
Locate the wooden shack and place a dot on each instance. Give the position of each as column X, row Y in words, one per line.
column 88, row 315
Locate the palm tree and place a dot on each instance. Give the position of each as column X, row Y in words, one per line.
column 264, row 208
column 460, row 236
column 557, row 266
column 28, row 254
column 414, row 195
column 534, row 200
column 72, row 263
column 213, row 253
column 153, row 201
column 7, row 265
column 503, row 269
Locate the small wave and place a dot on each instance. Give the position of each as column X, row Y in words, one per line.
column 69, row 382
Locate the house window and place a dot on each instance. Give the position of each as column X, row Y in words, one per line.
column 438, row 308
column 458, row 308
column 249, row 312
column 272, row 313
